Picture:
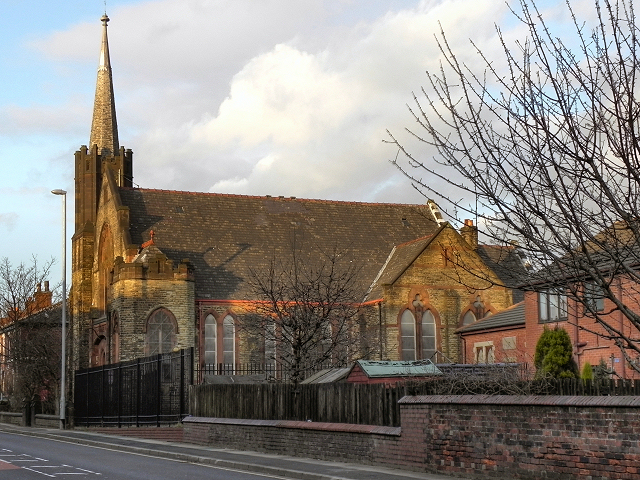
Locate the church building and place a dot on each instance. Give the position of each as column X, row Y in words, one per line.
column 158, row 270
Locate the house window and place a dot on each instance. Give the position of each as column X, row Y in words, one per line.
column 483, row 352
column 161, row 332
column 593, row 298
column 210, row 340
column 228, row 341
column 552, row 306
column 408, row 333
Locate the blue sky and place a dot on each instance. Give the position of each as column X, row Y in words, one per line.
column 279, row 97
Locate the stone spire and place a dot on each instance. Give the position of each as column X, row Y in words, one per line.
column 104, row 127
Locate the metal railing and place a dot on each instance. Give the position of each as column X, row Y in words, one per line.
column 146, row 391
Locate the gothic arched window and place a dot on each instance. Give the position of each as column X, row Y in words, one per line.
column 160, row 333
column 428, row 335
column 210, row 340
column 228, row 341
column 408, row 333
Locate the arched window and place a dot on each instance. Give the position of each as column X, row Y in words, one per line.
column 468, row 318
column 210, row 340
column 161, row 332
column 428, row 335
column 408, row 333
column 228, row 341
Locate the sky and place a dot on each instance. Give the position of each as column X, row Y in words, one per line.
column 257, row 97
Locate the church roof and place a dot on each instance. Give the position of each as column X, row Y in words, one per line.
column 225, row 236
column 104, row 127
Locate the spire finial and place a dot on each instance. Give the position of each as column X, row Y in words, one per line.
column 104, row 128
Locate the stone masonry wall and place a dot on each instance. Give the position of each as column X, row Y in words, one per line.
column 586, row 438
column 136, row 299
column 444, row 288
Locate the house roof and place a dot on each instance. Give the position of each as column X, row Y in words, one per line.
column 506, row 263
column 226, row 236
column 385, row 369
column 510, row 317
column 329, row 375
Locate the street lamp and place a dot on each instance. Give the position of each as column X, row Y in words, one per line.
column 63, row 375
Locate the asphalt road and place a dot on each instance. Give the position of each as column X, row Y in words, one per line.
column 30, row 458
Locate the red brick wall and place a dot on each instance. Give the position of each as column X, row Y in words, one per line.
column 589, row 345
column 517, row 354
column 500, row 436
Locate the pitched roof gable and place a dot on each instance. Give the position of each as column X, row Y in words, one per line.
column 224, row 236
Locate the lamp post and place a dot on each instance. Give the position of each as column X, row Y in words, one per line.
column 63, row 376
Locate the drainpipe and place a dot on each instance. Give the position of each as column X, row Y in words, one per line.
column 380, row 328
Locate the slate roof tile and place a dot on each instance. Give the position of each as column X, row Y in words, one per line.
column 224, row 236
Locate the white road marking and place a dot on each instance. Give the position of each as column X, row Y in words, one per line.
column 19, row 460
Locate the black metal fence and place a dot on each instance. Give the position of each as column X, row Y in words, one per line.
column 269, row 372
column 146, row 391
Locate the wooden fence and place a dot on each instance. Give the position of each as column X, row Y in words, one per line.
column 364, row 404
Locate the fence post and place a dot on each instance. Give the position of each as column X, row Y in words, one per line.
column 159, row 389
column 181, row 390
column 119, row 394
column 138, row 392
column 102, row 395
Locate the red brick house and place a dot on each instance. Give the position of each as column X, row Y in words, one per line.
column 552, row 307
column 498, row 338
column 512, row 334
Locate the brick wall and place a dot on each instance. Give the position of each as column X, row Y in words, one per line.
column 444, row 288
column 475, row 436
column 587, row 337
column 509, row 345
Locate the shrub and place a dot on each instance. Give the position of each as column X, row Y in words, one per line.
column 587, row 371
column 553, row 357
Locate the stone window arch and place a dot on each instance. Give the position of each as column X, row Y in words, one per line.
column 418, row 330
column 476, row 310
column 160, row 332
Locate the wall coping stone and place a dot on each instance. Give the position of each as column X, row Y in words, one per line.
column 539, row 400
column 300, row 425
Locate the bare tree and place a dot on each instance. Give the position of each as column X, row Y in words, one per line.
column 542, row 148
column 29, row 334
column 306, row 308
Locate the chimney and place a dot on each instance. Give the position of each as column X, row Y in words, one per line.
column 43, row 299
column 470, row 233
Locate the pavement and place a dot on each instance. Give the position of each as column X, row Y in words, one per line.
column 260, row 463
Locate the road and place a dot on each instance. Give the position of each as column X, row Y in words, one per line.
column 30, row 458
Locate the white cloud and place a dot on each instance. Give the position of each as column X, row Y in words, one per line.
column 281, row 97
column 8, row 220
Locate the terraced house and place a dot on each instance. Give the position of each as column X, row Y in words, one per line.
column 158, row 270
